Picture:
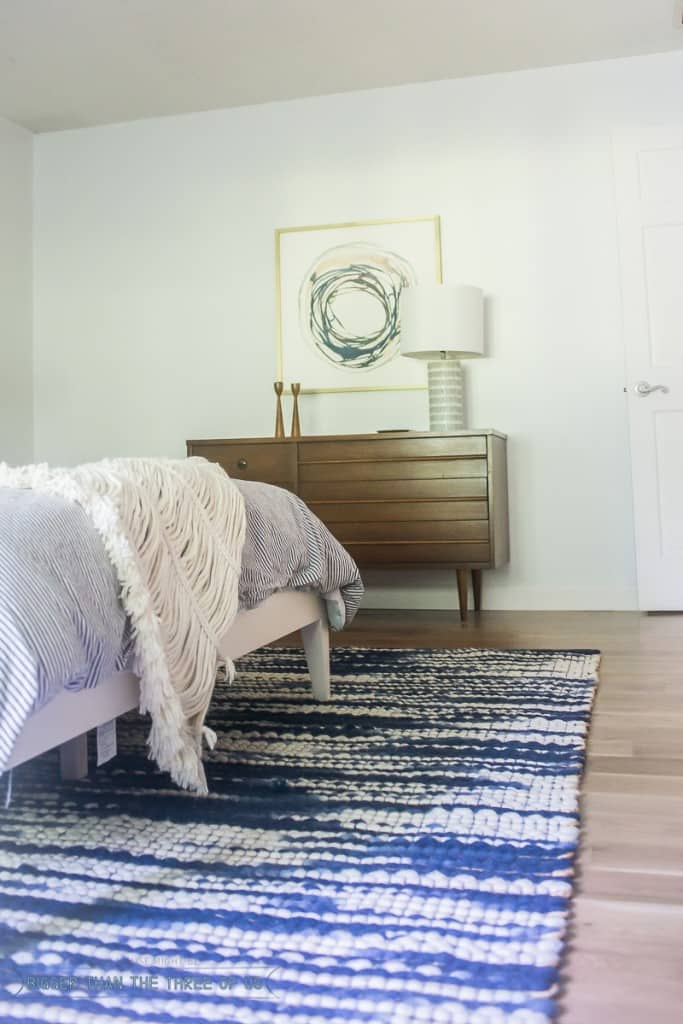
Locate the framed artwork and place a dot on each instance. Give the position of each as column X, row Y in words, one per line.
column 338, row 288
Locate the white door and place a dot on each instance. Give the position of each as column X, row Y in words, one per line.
column 649, row 187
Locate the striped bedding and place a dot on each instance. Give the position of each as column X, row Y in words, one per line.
column 62, row 624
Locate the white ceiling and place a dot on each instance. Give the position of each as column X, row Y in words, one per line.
column 71, row 63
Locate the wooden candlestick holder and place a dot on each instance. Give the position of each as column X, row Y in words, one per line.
column 279, row 420
column 296, row 426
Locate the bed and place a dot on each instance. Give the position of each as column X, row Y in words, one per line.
column 66, row 720
column 294, row 577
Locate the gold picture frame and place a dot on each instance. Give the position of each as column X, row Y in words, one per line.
column 412, row 245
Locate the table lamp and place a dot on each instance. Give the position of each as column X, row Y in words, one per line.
column 443, row 324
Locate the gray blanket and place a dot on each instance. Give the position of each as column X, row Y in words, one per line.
column 61, row 621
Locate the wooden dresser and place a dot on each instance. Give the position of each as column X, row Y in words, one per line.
column 399, row 500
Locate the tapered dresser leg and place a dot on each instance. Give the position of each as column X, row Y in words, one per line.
column 463, row 581
column 476, row 589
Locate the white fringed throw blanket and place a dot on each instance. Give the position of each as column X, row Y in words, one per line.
column 174, row 531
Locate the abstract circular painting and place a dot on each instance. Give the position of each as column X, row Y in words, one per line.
column 338, row 292
column 349, row 305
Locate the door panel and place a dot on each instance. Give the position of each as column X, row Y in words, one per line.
column 649, row 189
column 663, row 245
column 668, row 434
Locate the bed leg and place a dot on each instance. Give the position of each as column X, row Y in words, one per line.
column 73, row 757
column 316, row 639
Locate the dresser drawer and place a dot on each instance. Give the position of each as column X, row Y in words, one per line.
column 436, row 530
column 363, row 490
column 435, row 554
column 397, row 511
column 379, row 450
column 269, row 462
column 429, row 469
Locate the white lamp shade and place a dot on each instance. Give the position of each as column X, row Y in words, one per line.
column 442, row 321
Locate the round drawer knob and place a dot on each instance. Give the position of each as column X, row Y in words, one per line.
column 242, row 463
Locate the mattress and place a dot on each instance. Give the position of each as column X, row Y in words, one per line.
column 62, row 624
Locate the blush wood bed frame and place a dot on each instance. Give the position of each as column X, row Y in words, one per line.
column 66, row 720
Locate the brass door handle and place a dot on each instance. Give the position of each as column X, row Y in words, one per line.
column 242, row 463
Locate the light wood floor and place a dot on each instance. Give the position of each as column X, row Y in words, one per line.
column 625, row 962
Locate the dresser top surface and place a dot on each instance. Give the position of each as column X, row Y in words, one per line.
column 382, row 434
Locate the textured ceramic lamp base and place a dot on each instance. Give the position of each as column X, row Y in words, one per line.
column 445, row 380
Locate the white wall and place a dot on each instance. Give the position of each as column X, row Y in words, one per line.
column 16, row 386
column 154, row 288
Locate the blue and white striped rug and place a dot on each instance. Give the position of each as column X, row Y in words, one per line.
column 402, row 854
